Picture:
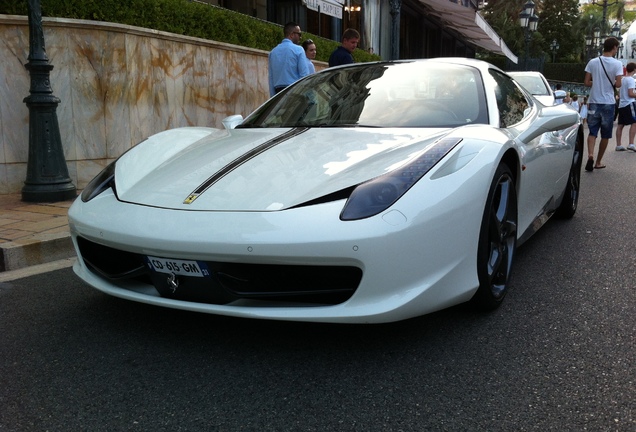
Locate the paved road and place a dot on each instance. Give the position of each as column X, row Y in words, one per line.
column 559, row 355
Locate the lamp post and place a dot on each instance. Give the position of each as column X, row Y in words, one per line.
column 616, row 32
column 616, row 29
column 605, row 4
column 554, row 46
column 47, row 178
column 597, row 41
column 528, row 21
column 592, row 42
column 396, row 5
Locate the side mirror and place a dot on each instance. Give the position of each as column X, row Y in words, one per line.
column 232, row 121
column 551, row 119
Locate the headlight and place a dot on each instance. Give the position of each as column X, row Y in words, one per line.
column 376, row 195
column 103, row 181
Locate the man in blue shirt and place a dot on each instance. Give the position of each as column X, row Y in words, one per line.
column 342, row 54
column 287, row 61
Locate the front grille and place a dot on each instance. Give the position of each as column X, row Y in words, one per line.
column 228, row 282
column 111, row 263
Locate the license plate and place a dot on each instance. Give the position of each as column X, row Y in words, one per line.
column 177, row 267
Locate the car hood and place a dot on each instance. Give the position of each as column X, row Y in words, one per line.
column 260, row 169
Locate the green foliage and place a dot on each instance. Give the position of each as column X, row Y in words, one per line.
column 360, row 56
column 13, row 7
column 181, row 17
column 559, row 21
column 570, row 72
column 503, row 17
column 496, row 60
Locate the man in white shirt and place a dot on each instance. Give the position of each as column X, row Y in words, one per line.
column 602, row 74
column 559, row 94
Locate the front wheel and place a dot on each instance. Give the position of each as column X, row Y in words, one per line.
column 497, row 240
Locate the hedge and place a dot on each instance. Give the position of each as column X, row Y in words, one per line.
column 182, row 17
column 570, row 72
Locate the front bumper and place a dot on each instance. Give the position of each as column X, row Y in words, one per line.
column 385, row 268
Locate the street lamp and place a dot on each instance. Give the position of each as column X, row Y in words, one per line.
column 554, row 46
column 592, row 42
column 396, row 5
column 604, row 4
column 528, row 21
column 616, row 32
column 47, row 178
column 597, row 40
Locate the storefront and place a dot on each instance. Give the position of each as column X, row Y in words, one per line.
column 425, row 28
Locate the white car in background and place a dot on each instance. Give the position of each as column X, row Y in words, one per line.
column 536, row 84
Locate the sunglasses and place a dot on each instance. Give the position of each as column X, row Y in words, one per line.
column 309, row 41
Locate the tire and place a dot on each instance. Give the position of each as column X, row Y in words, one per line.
column 497, row 241
column 570, row 200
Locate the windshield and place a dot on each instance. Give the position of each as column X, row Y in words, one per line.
column 403, row 94
column 534, row 84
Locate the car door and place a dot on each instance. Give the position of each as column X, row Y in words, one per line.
column 544, row 159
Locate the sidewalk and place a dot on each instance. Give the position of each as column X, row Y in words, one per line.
column 33, row 233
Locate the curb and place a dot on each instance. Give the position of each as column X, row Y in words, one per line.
column 40, row 249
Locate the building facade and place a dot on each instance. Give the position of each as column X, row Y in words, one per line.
column 393, row 29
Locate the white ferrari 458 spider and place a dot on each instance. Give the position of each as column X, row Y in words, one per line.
column 365, row 193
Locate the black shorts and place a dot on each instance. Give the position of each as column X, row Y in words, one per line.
column 627, row 114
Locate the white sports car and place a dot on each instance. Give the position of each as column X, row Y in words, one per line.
column 365, row 193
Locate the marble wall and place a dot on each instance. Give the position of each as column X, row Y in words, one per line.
column 117, row 85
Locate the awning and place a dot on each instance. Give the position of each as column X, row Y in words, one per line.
column 328, row 7
column 470, row 24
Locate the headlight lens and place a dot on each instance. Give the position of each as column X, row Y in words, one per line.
column 103, row 181
column 376, row 195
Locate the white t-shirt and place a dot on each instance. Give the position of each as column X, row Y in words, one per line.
column 602, row 91
column 628, row 83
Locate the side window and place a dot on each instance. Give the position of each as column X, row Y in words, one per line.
column 511, row 101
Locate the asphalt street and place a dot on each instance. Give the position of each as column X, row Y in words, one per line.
column 559, row 355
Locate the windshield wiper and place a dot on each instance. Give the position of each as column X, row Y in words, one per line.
column 249, row 126
column 308, row 125
column 343, row 125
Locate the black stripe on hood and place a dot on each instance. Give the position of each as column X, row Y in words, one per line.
column 240, row 161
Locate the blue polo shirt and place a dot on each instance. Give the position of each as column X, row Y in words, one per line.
column 287, row 64
column 340, row 56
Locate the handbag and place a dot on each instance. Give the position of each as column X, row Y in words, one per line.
column 614, row 87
